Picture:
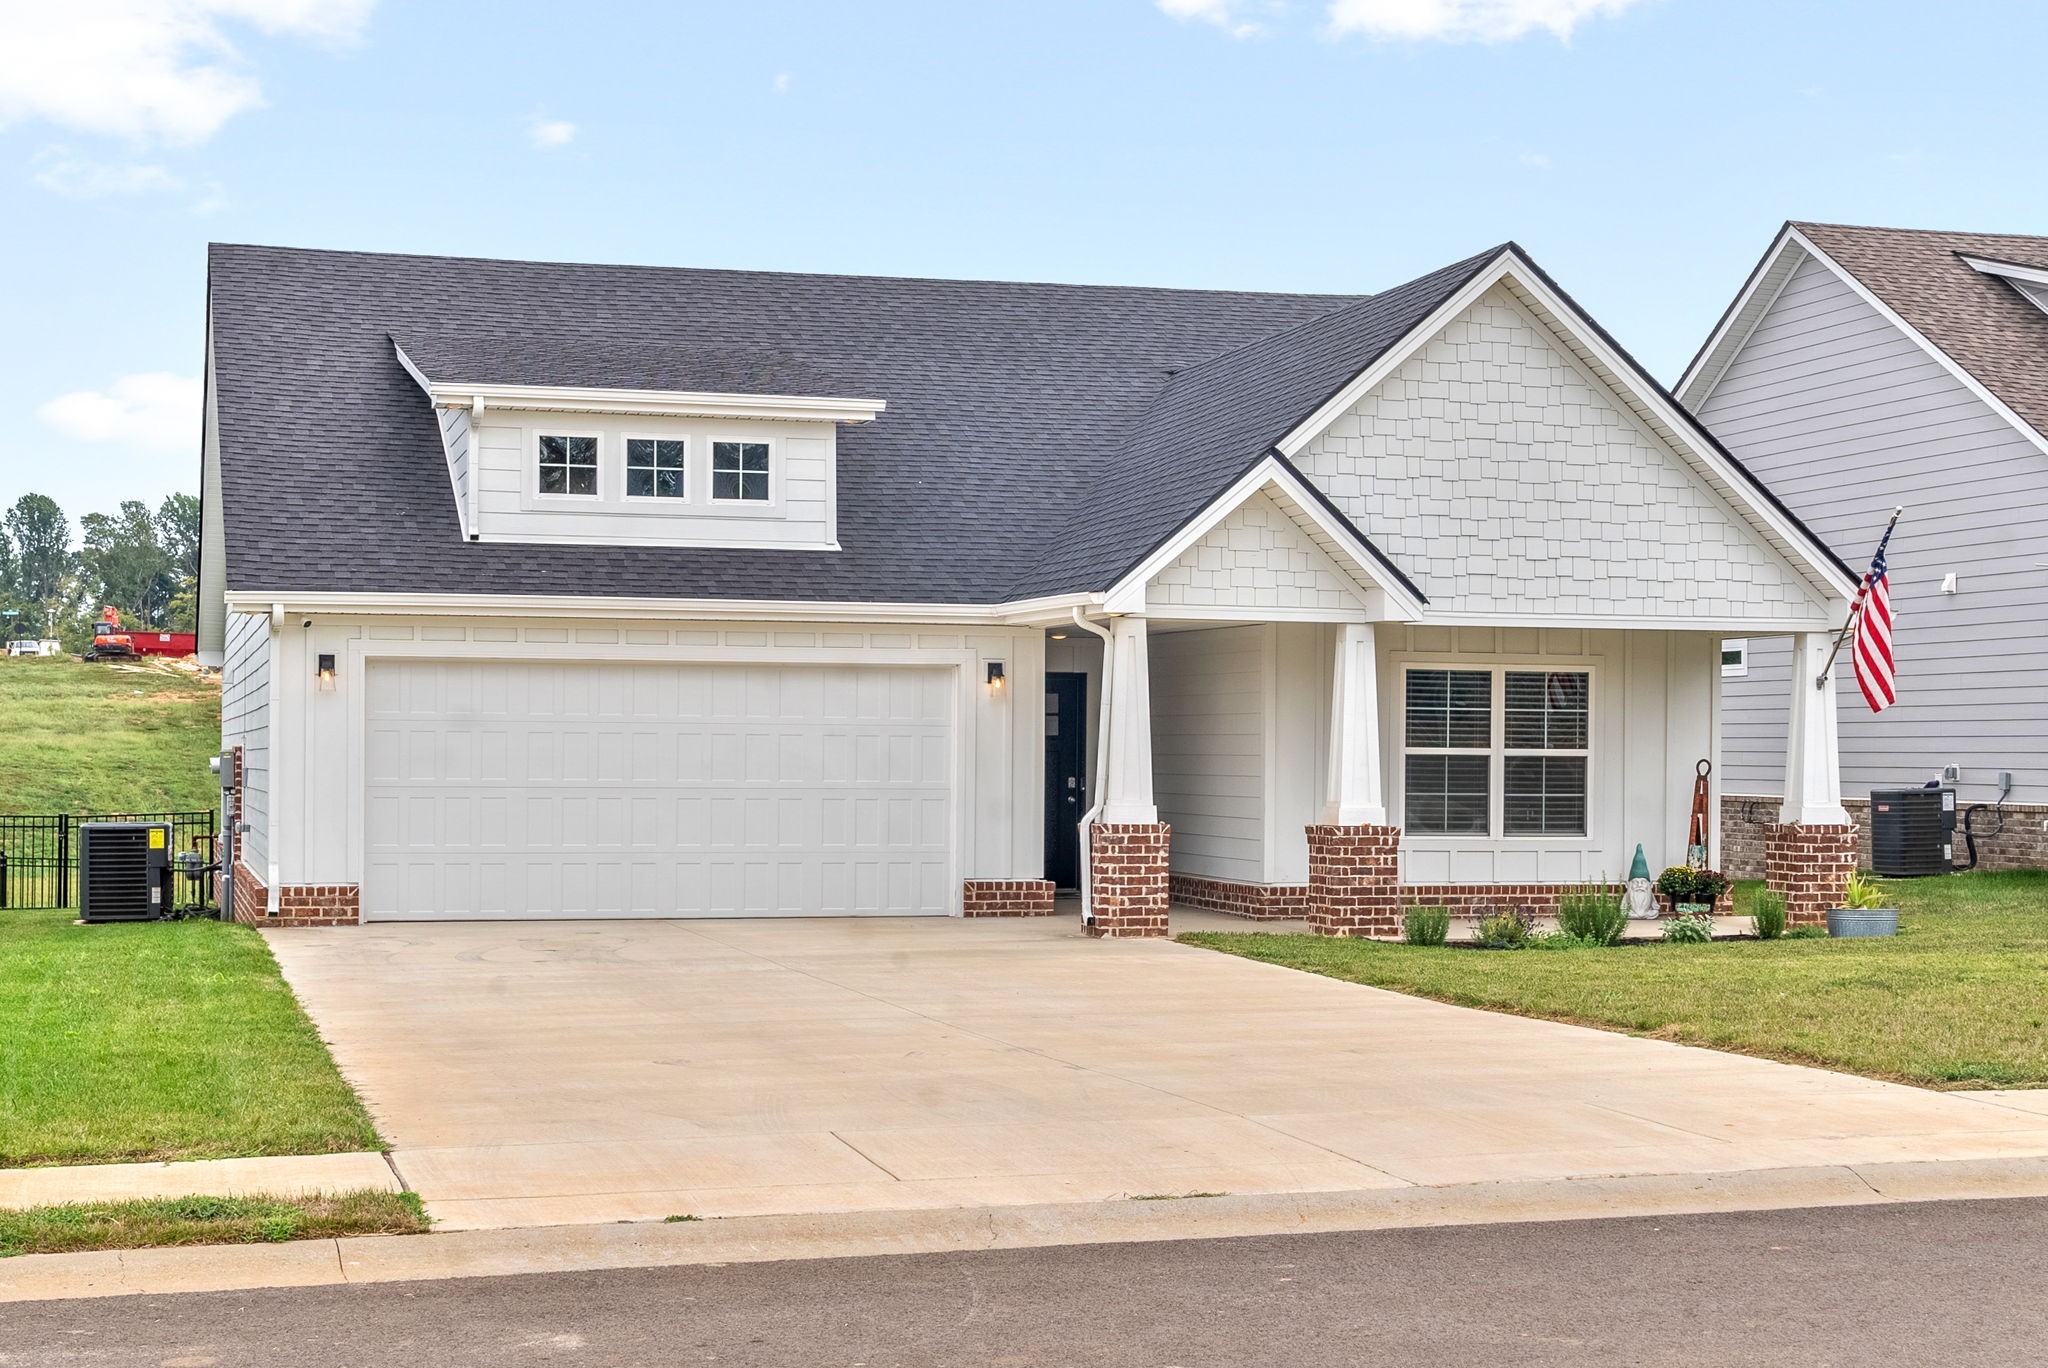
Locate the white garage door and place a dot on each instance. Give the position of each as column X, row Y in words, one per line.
column 587, row 790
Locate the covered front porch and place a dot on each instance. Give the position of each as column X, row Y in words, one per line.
column 1335, row 772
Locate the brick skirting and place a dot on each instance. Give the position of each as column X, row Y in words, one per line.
column 1006, row 898
column 1258, row 902
column 1809, row 865
column 297, row 904
column 2022, row 843
column 1127, row 878
column 1354, row 881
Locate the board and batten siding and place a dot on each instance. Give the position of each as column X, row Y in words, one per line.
column 245, row 722
column 798, row 515
column 1239, row 740
column 1653, row 720
column 1843, row 415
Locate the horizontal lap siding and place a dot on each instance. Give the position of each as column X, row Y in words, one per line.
column 1844, row 416
column 245, row 722
column 1209, row 748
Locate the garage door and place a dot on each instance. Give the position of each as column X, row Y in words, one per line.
column 587, row 790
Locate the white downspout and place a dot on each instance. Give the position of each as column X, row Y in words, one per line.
column 1101, row 767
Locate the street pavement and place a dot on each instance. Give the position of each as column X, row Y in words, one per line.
column 1949, row 1283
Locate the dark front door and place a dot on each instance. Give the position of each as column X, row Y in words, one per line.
column 1066, row 775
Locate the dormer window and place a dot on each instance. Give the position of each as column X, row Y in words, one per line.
column 654, row 468
column 568, row 466
column 739, row 471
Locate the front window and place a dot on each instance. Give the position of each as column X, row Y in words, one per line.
column 654, row 468
column 1469, row 734
column 568, row 465
column 739, row 470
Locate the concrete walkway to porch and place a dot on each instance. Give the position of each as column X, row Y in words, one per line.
column 560, row 1072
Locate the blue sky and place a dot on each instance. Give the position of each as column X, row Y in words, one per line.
column 1643, row 150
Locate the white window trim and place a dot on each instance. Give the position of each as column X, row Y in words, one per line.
column 1496, row 752
column 774, row 445
column 1735, row 669
column 626, row 439
column 533, row 489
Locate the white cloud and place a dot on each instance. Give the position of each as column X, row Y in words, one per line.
column 547, row 134
column 155, row 410
column 59, row 169
column 1484, row 21
column 1224, row 14
column 782, row 83
column 148, row 70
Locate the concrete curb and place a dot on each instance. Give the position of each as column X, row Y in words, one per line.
column 764, row 1239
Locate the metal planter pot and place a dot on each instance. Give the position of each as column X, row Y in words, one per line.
column 1873, row 921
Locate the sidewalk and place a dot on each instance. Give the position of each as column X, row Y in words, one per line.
column 759, row 1239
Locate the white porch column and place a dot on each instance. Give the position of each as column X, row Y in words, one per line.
column 1813, row 761
column 1127, row 788
column 1354, row 794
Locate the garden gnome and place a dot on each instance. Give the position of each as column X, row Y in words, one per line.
column 1640, row 899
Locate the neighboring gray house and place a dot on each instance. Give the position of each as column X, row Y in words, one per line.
column 591, row 591
column 1862, row 368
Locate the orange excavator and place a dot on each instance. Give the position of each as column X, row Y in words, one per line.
column 109, row 640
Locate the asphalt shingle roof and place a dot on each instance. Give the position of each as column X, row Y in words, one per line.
column 1038, row 438
column 1981, row 322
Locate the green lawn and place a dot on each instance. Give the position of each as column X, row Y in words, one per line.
column 1959, row 999
column 158, row 1040
column 87, row 738
column 207, row 1220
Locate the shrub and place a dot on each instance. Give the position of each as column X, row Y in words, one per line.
column 1500, row 929
column 1560, row 940
column 1862, row 892
column 1426, row 925
column 1769, row 911
column 1590, row 913
column 1692, row 930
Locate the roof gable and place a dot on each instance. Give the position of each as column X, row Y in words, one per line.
column 1512, row 474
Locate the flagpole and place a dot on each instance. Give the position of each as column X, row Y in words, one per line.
column 1862, row 591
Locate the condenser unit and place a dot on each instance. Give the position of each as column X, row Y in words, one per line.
column 1912, row 832
column 124, row 871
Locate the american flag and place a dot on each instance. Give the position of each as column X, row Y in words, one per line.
column 1874, row 634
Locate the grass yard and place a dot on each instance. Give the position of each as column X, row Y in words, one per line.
column 158, row 1040
column 207, row 1220
column 82, row 738
column 1959, row 999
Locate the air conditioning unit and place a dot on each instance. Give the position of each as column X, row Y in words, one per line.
column 124, row 871
column 1912, row 832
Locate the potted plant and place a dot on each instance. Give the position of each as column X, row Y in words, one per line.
column 1692, row 892
column 1863, row 912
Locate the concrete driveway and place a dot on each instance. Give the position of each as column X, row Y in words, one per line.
column 544, row 1073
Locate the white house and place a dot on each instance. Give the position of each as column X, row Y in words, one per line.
column 577, row 591
column 1863, row 368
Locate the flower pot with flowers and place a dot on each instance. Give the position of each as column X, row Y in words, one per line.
column 1692, row 892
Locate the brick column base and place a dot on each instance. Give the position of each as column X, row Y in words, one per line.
column 1809, row 866
column 1127, row 878
column 1006, row 898
column 297, row 904
column 1354, row 881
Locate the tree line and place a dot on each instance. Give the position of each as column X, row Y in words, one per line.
column 144, row 564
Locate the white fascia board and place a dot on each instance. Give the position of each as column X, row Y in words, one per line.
column 462, row 510
column 1758, row 293
column 1733, row 625
column 657, row 403
column 1022, row 613
column 1991, row 266
column 1941, row 358
column 1128, row 595
column 1617, row 372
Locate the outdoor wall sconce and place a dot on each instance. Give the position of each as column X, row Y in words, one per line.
column 325, row 674
column 995, row 676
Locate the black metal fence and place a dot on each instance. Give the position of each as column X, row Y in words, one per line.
column 39, row 856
